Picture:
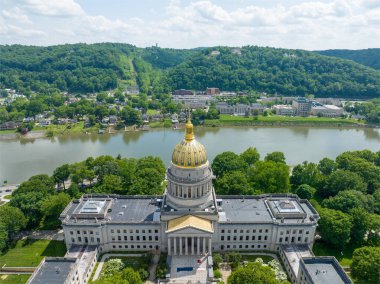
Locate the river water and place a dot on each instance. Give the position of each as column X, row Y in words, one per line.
column 20, row 159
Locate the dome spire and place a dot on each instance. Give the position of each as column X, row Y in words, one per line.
column 189, row 136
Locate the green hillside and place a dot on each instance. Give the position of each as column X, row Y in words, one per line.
column 83, row 68
column 369, row 57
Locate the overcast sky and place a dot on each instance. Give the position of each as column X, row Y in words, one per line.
column 312, row 25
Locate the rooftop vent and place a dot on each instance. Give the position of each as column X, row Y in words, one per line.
column 120, row 213
column 124, row 206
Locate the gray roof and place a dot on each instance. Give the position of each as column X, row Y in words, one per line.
column 53, row 270
column 115, row 208
column 266, row 209
column 325, row 270
column 294, row 254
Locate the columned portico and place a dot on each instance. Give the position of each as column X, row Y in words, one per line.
column 196, row 245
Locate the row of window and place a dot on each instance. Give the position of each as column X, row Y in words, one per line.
column 137, row 231
column 90, row 232
column 92, row 240
column 222, row 247
column 293, row 232
column 242, row 231
column 137, row 238
column 241, row 238
column 286, row 240
column 135, row 246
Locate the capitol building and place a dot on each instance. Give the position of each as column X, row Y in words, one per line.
column 189, row 222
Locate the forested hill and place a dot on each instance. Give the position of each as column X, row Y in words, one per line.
column 83, row 68
column 369, row 57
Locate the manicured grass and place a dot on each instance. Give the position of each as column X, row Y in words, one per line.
column 9, row 196
column 14, row 278
column 30, row 252
column 252, row 258
column 7, row 131
column 344, row 257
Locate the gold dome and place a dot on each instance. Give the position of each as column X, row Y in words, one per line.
column 189, row 153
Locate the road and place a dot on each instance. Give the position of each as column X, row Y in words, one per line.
column 7, row 190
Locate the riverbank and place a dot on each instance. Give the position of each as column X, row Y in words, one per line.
column 223, row 121
column 283, row 121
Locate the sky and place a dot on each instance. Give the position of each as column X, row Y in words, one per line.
column 297, row 24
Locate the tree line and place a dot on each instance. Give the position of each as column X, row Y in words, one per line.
column 83, row 68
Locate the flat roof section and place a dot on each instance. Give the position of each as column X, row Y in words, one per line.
column 53, row 270
column 325, row 270
column 294, row 254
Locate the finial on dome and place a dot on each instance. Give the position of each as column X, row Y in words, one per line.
column 189, row 136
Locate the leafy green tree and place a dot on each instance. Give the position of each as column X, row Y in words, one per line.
column 342, row 180
column 327, row 166
column 232, row 183
column 250, row 156
column 110, row 184
column 131, row 276
column 269, row 177
column 349, row 199
column 3, row 237
column 53, row 205
column 305, row 191
column 277, row 157
column 131, row 116
column 360, row 224
column 35, row 107
column 335, row 227
column 148, row 182
column 233, row 257
column 152, row 162
column 253, row 273
column 217, row 260
column 227, row 162
column 376, row 197
column 365, row 266
column 61, row 174
column 13, row 219
column 306, row 173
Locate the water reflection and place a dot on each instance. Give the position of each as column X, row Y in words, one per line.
column 21, row 158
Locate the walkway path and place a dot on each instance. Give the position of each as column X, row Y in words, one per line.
column 152, row 268
column 108, row 255
column 56, row 235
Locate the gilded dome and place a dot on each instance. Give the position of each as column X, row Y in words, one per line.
column 189, row 153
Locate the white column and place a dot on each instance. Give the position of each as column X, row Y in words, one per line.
column 175, row 245
column 180, row 245
column 209, row 245
column 186, row 245
column 169, row 247
column 204, row 245
column 192, row 245
column 198, row 244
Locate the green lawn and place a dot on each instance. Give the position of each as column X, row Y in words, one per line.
column 259, row 120
column 14, row 278
column 7, row 196
column 152, row 111
column 345, row 259
column 30, row 252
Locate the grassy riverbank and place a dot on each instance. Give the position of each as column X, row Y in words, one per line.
column 229, row 120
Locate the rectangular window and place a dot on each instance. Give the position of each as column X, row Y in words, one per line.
column 125, row 238
column 71, row 233
column 306, row 239
column 79, row 239
column 234, row 238
column 286, row 239
column 137, row 231
column 235, row 231
column 253, row 231
column 156, row 231
column 265, row 238
column 253, row 238
column 259, row 238
column 138, row 238
column 247, row 231
column 156, row 238
column 307, row 232
column 98, row 240
column 266, row 230
column 280, row 240
column 300, row 232
column 241, row 231
column 222, row 231
column 281, row 233
column 124, row 231
column 131, row 238
column 222, row 238
column 299, row 239
column 240, row 238
column 112, row 231
column 143, row 231
column 119, row 238
column 228, row 238
column 78, row 232
column 150, row 238
column 260, row 231
column 247, row 238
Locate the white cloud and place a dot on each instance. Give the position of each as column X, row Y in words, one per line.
column 16, row 14
column 60, row 8
column 307, row 24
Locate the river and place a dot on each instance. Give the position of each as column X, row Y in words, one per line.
column 20, row 158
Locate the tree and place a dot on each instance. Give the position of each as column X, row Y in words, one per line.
column 250, row 156
column 152, row 162
column 365, row 266
column 349, row 199
column 217, row 260
column 12, row 219
column 269, row 177
column 232, row 183
column 305, row 173
column 148, row 182
column 131, row 116
column 335, row 227
column 342, row 180
column 61, row 174
column 53, row 205
column 305, row 191
column 327, row 166
column 110, row 184
column 360, row 224
column 253, row 273
column 277, row 157
column 227, row 162
column 131, row 276
column 3, row 237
